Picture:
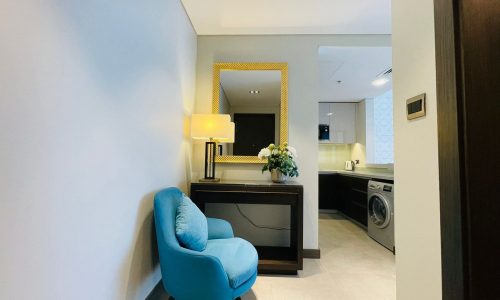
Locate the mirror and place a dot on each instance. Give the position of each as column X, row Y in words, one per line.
column 255, row 96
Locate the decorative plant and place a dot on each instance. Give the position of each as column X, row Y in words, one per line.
column 280, row 158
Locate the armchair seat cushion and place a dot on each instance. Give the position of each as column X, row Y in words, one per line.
column 237, row 256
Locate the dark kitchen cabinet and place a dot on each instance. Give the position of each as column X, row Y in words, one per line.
column 353, row 196
column 327, row 192
column 346, row 194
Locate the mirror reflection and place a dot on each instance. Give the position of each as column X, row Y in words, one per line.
column 253, row 99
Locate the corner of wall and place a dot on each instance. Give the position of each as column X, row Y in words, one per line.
column 418, row 243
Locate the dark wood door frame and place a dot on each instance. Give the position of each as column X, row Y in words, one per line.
column 468, row 101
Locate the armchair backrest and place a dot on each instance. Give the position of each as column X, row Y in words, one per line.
column 181, row 267
column 186, row 274
column 165, row 208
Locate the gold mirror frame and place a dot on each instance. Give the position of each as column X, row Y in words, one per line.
column 283, row 67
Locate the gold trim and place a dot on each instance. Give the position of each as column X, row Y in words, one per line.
column 283, row 67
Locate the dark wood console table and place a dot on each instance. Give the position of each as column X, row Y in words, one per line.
column 272, row 259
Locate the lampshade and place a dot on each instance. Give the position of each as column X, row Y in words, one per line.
column 211, row 126
column 230, row 128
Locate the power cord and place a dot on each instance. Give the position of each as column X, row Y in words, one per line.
column 256, row 225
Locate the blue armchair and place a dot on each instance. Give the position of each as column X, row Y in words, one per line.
column 225, row 270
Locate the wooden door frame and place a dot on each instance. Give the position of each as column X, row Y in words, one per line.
column 465, row 58
column 450, row 126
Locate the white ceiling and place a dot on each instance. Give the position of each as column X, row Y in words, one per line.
column 237, row 84
column 356, row 68
column 232, row 17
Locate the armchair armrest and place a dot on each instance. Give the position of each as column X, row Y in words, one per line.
column 219, row 229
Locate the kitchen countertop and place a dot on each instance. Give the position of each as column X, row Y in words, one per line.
column 362, row 173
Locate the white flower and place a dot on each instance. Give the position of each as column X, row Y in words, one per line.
column 264, row 152
column 292, row 151
column 275, row 151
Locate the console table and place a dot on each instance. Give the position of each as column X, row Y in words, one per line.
column 272, row 259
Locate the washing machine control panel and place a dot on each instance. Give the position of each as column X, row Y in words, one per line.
column 381, row 187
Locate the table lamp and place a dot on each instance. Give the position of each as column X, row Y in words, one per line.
column 211, row 127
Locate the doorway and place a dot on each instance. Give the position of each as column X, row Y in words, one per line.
column 253, row 132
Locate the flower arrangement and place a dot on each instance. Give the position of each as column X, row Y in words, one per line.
column 280, row 158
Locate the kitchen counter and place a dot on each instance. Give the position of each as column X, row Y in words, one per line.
column 362, row 173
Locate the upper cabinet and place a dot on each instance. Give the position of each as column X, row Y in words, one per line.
column 343, row 123
column 324, row 113
column 340, row 119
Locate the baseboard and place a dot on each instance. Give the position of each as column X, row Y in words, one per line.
column 311, row 253
column 156, row 293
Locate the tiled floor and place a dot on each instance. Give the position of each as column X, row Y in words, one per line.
column 352, row 266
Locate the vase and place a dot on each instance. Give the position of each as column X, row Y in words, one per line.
column 277, row 176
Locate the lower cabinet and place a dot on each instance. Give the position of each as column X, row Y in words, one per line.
column 328, row 196
column 345, row 193
column 353, row 191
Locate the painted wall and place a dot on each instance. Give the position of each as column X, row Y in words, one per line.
column 93, row 97
column 418, row 259
column 301, row 54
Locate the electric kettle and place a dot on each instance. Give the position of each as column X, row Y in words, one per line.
column 349, row 165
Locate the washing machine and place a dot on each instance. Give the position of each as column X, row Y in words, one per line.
column 381, row 213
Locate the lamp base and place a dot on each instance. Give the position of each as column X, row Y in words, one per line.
column 209, row 179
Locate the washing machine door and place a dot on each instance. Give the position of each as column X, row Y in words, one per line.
column 379, row 211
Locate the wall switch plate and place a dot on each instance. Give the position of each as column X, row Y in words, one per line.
column 415, row 107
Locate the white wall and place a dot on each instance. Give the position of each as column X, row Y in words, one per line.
column 93, row 97
column 418, row 258
column 301, row 54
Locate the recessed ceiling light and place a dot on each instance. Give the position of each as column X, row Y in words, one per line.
column 380, row 81
column 329, row 114
column 383, row 77
column 254, row 92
